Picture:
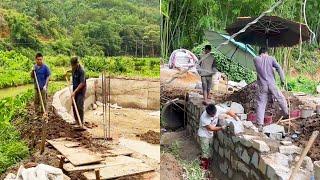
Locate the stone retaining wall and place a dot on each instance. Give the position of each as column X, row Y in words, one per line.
column 249, row 155
column 128, row 93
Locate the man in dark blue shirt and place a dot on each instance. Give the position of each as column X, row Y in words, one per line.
column 79, row 87
column 43, row 75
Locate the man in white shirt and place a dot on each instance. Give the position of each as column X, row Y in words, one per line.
column 208, row 124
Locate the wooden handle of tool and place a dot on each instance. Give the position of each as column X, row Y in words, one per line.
column 44, row 128
column 40, row 95
column 304, row 153
column 286, row 120
column 74, row 104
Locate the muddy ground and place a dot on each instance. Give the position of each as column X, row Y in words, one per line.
column 170, row 167
column 188, row 151
column 30, row 127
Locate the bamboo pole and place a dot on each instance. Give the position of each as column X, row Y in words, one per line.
column 44, row 127
column 304, row 153
column 74, row 104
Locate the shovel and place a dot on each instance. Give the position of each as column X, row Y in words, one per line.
column 75, row 106
column 45, row 117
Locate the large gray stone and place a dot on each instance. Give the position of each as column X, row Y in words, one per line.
column 249, row 125
column 273, row 128
column 261, row 146
column 221, row 151
column 239, row 151
column 255, row 160
column 216, row 145
column 307, row 163
column 235, row 139
column 227, row 153
column 286, row 143
column 228, row 142
column 276, row 165
column 292, row 149
column 247, row 140
column 262, row 165
column 230, row 173
column 237, row 108
column 224, row 167
column 254, row 175
column 235, row 127
column 243, row 167
column 276, row 136
column 220, row 136
column 245, row 156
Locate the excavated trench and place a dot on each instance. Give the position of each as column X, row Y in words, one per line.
column 173, row 115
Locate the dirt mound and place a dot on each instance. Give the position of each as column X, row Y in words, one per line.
column 306, row 127
column 170, row 168
column 150, row 137
column 182, row 80
column 31, row 125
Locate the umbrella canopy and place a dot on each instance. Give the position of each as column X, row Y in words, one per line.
column 182, row 58
column 236, row 51
column 269, row 31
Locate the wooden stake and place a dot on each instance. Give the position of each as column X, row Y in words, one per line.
column 97, row 172
column 44, row 127
column 75, row 105
column 61, row 162
column 304, row 153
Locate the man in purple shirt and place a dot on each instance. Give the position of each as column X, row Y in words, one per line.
column 265, row 65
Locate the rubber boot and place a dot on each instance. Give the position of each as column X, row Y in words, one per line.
column 204, row 163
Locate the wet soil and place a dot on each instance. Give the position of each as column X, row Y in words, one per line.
column 150, row 137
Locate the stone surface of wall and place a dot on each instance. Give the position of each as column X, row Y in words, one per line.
column 249, row 155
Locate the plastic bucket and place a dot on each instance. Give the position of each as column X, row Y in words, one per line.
column 306, row 112
column 252, row 117
column 268, row 118
column 295, row 113
column 318, row 109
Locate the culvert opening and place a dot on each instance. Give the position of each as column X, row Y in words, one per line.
column 173, row 115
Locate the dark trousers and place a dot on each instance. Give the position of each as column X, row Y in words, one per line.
column 79, row 98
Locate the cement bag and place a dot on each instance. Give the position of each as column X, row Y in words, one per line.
column 40, row 172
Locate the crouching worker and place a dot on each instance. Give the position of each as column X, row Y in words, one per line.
column 208, row 124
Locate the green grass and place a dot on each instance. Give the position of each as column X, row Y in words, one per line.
column 192, row 168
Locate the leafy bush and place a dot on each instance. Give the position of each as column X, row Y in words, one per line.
column 302, row 84
column 12, row 149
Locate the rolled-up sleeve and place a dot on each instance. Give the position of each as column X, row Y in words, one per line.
column 279, row 69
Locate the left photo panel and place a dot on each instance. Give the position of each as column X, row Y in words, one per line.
column 79, row 89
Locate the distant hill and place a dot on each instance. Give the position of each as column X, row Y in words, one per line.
column 81, row 27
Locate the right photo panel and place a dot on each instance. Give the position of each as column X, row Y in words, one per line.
column 239, row 90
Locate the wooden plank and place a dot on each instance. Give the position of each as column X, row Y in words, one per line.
column 78, row 155
column 108, row 162
column 120, row 171
column 120, row 150
column 72, row 144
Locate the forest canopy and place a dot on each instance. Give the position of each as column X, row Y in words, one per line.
column 81, row 27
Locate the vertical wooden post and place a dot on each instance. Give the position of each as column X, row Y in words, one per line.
column 97, row 173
